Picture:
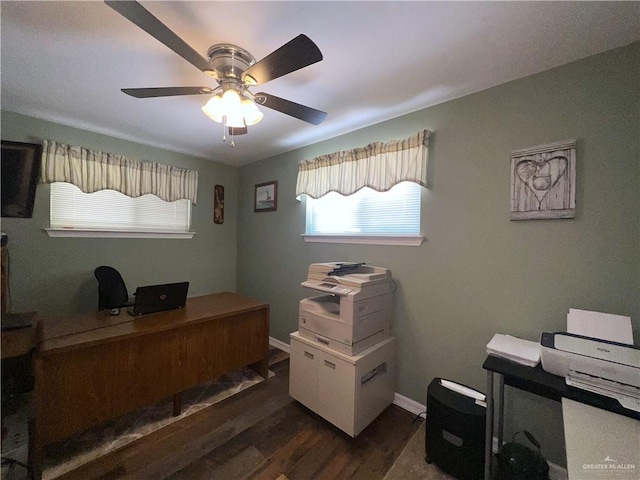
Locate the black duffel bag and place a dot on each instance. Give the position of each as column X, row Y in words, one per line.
column 519, row 462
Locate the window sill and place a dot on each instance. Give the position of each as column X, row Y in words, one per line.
column 78, row 233
column 402, row 240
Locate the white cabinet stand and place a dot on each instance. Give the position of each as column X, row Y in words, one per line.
column 348, row 391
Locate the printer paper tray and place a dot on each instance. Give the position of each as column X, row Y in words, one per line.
column 348, row 349
column 627, row 395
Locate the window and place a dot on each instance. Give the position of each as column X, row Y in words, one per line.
column 367, row 216
column 107, row 213
column 380, row 186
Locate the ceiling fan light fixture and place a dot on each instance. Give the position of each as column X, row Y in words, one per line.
column 251, row 113
column 231, row 101
column 213, row 109
column 235, row 120
column 238, row 110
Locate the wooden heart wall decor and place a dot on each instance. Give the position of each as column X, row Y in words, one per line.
column 543, row 180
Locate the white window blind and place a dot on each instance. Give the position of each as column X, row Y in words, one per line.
column 108, row 210
column 366, row 212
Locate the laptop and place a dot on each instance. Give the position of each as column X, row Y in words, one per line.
column 158, row 298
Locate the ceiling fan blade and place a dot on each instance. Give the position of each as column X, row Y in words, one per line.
column 237, row 131
column 307, row 114
column 294, row 55
column 166, row 91
column 137, row 14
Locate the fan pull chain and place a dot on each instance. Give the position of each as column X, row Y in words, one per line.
column 224, row 133
column 224, row 129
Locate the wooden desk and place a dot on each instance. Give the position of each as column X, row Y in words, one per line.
column 539, row 382
column 20, row 341
column 94, row 367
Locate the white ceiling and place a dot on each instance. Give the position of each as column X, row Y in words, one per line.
column 66, row 62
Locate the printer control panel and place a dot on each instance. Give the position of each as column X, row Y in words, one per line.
column 339, row 289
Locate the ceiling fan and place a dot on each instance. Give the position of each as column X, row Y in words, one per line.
column 235, row 70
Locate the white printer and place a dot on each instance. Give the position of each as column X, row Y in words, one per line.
column 600, row 366
column 356, row 313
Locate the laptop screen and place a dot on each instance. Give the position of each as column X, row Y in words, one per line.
column 158, row 298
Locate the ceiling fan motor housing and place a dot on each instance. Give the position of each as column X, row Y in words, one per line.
column 229, row 61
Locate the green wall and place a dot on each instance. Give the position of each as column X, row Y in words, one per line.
column 56, row 274
column 478, row 273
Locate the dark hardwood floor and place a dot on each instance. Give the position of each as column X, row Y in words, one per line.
column 259, row 433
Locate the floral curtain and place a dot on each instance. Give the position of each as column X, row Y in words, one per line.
column 91, row 171
column 379, row 166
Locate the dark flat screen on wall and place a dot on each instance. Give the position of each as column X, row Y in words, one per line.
column 19, row 171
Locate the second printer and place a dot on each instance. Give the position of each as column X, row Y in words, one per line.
column 355, row 312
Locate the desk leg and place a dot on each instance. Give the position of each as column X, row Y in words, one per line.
column 488, row 438
column 261, row 367
column 500, row 410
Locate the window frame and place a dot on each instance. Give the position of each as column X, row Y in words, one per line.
column 87, row 233
column 401, row 240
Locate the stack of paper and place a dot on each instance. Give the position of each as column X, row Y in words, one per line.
column 463, row 390
column 515, row 349
column 605, row 326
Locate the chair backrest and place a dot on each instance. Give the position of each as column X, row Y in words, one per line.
column 112, row 291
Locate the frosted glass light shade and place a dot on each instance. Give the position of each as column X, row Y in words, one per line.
column 235, row 120
column 213, row 109
column 251, row 113
column 239, row 112
column 231, row 102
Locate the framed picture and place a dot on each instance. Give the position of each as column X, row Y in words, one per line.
column 543, row 181
column 266, row 197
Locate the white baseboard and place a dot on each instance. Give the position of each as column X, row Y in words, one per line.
column 409, row 405
column 274, row 342
column 556, row 472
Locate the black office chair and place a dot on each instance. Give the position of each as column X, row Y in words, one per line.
column 112, row 291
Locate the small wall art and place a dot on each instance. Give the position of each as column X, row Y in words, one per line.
column 218, row 204
column 543, row 181
column 266, row 197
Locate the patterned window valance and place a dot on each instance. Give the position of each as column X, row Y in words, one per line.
column 379, row 166
column 91, row 171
